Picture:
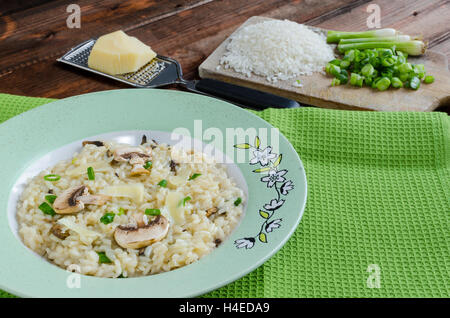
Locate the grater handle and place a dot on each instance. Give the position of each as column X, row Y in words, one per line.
column 243, row 95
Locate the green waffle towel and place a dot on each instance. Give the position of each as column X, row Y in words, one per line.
column 378, row 206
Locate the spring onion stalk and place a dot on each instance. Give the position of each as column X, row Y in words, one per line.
column 398, row 38
column 410, row 47
column 336, row 36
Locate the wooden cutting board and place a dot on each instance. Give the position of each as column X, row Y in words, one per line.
column 317, row 90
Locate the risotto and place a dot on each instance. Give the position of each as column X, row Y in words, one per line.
column 117, row 210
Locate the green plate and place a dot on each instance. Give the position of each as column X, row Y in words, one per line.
column 264, row 164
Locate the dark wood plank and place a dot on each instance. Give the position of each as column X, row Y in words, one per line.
column 40, row 32
column 188, row 36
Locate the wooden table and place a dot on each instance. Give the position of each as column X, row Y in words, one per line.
column 33, row 33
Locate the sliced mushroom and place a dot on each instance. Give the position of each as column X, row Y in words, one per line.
column 96, row 143
column 136, row 237
column 173, row 166
column 211, row 211
column 134, row 156
column 73, row 200
column 58, row 231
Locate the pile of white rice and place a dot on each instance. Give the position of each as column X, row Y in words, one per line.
column 185, row 242
column 277, row 50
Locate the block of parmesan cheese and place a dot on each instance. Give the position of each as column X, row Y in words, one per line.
column 118, row 53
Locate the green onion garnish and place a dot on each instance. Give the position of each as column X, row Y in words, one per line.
column 103, row 259
column 90, row 173
column 152, row 212
column 121, row 211
column 50, row 198
column 52, row 177
column 148, row 165
column 47, row 209
column 163, row 183
column 195, row 175
column 107, row 218
column 238, row 201
column 183, row 202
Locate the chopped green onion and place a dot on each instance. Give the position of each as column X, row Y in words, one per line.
column 90, row 173
column 121, row 211
column 383, row 84
column 405, row 68
column 403, row 77
column 50, row 198
column 367, row 70
column 350, row 55
column 107, row 218
column 163, row 183
column 103, row 259
column 238, row 201
column 419, row 70
column 335, row 62
column 184, row 200
column 153, row 212
column 148, row 165
column 428, row 79
column 356, row 79
column 52, row 177
column 414, row 83
column 344, row 64
column 396, row 82
column 335, row 82
column 195, row 175
column 332, row 69
column 47, row 209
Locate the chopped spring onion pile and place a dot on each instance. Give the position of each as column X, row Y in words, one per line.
column 238, row 201
column 163, row 183
column 148, row 165
column 378, row 59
